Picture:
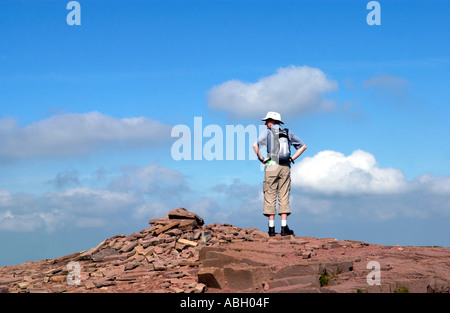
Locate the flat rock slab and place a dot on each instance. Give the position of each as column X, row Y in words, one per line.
column 178, row 253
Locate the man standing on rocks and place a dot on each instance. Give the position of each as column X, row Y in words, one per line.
column 277, row 172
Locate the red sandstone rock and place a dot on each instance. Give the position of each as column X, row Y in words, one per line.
column 178, row 253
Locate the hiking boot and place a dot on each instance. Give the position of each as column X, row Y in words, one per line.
column 271, row 231
column 285, row 231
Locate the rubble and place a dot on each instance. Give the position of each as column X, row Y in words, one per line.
column 178, row 253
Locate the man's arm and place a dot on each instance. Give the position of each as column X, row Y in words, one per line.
column 258, row 152
column 261, row 141
column 298, row 153
column 298, row 144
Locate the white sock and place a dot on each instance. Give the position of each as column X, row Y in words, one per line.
column 271, row 223
column 283, row 222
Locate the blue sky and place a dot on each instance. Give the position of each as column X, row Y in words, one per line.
column 87, row 112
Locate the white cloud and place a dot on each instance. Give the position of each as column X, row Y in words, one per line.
column 435, row 185
column 75, row 134
column 5, row 197
column 237, row 190
column 311, row 205
column 331, row 185
column 24, row 222
column 332, row 172
column 389, row 84
column 293, row 90
column 92, row 201
column 210, row 210
column 76, row 207
column 151, row 210
column 139, row 193
column 152, row 180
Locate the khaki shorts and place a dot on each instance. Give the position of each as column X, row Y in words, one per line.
column 277, row 182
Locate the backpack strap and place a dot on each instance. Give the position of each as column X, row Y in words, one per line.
column 269, row 140
column 289, row 140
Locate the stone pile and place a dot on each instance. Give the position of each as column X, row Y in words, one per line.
column 179, row 254
column 161, row 258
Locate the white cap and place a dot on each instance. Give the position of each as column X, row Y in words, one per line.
column 274, row 116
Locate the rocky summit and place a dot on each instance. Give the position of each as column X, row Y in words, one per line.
column 178, row 253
